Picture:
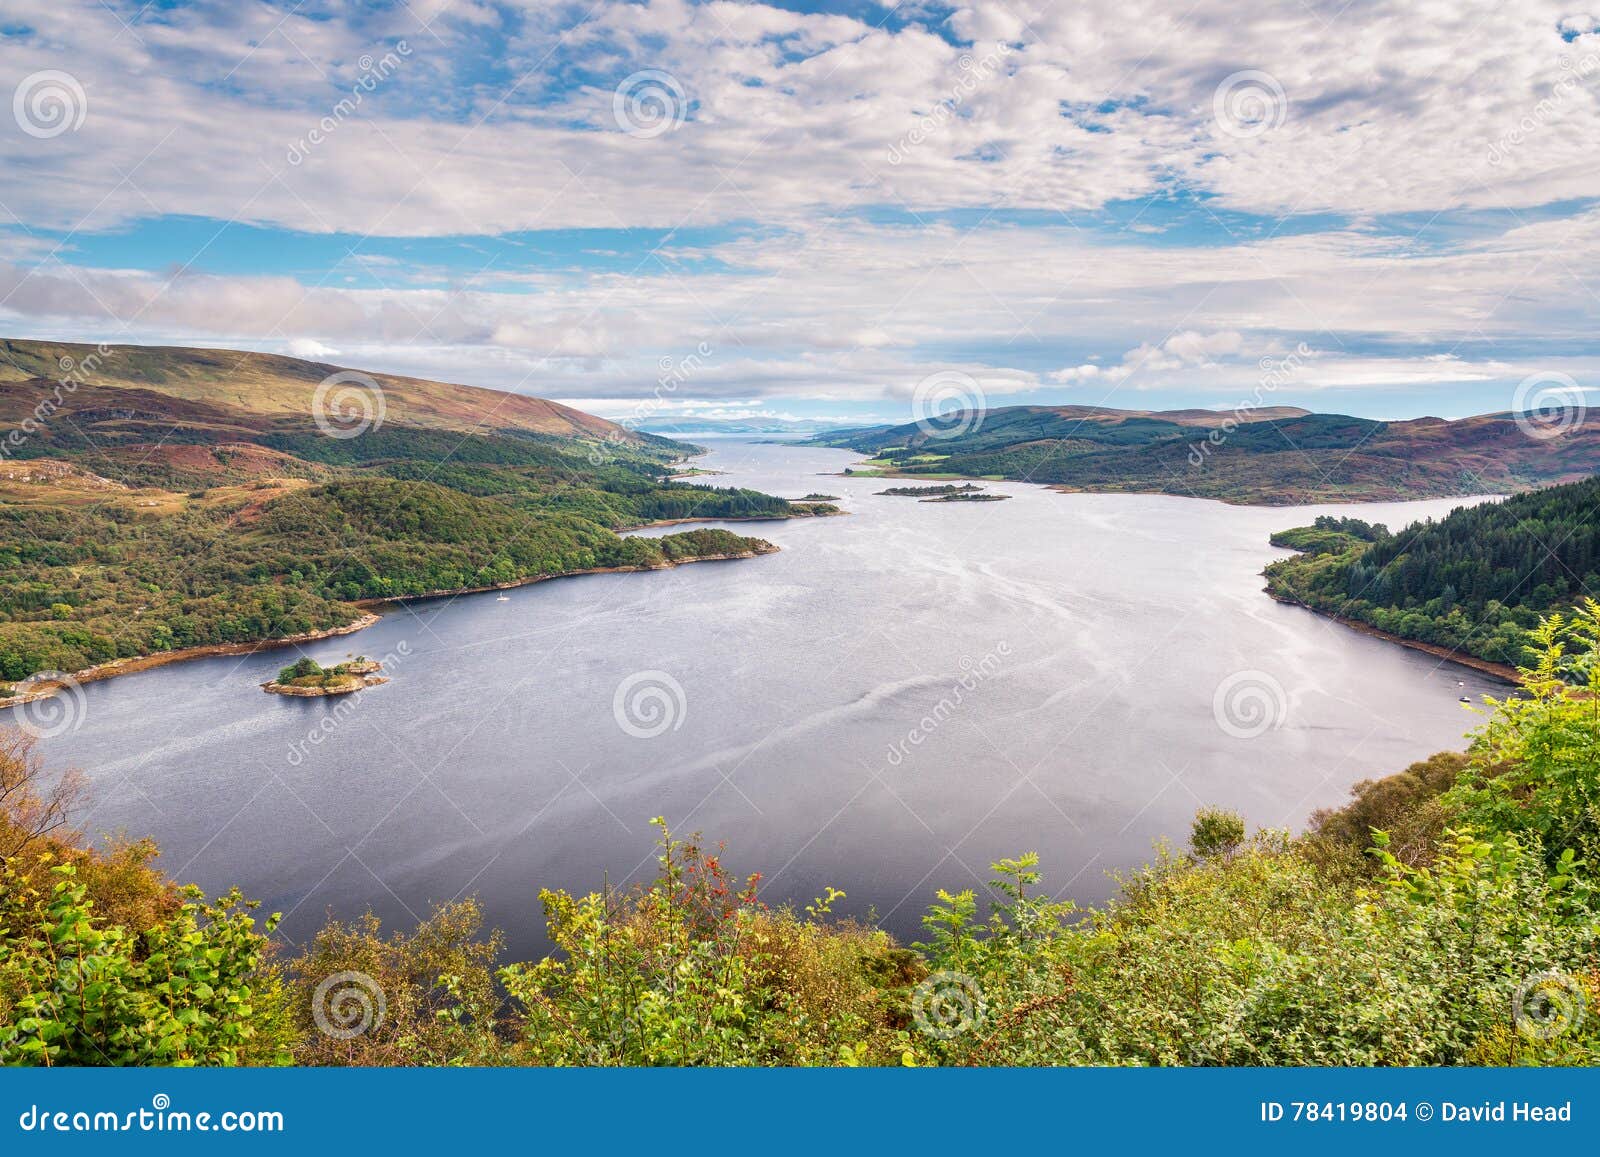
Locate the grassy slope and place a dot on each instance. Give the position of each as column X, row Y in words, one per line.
column 275, row 386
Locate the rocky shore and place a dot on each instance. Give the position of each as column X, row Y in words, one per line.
column 42, row 687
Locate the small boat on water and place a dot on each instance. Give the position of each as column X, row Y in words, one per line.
column 503, row 599
column 1464, row 699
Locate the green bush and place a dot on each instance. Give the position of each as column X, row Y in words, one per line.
column 191, row 989
column 304, row 667
column 1216, row 833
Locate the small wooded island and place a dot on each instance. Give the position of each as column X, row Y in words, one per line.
column 307, row 678
column 946, row 492
column 930, row 491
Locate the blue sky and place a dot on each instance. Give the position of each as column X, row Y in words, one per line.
column 1384, row 211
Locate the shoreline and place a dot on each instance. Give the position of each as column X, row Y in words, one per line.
column 1277, row 502
column 366, row 604
column 1265, row 501
column 1500, row 671
column 137, row 663
column 730, row 518
column 114, row 667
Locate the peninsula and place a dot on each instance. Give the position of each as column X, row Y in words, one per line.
column 1470, row 587
column 177, row 502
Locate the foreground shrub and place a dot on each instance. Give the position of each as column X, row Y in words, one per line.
column 1255, row 960
column 184, row 991
column 692, row 969
column 361, row 998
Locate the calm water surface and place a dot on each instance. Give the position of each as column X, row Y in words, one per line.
column 896, row 699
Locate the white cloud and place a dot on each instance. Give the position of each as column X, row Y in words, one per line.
column 784, row 315
column 1387, row 108
column 310, row 349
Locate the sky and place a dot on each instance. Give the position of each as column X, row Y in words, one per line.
column 676, row 210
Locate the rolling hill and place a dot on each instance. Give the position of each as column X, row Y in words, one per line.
column 1270, row 456
column 272, row 386
column 158, row 500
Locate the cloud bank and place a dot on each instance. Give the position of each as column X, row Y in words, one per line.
column 1070, row 202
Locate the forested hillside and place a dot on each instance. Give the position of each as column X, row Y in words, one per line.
column 1474, row 582
column 177, row 498
column 1262, row 455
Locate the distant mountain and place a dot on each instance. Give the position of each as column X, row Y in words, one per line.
column 273, row 386
column 689, row 427
column 1275, row 455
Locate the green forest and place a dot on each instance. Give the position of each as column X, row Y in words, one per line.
column 176, row 498
column 85, row 582
column 1448, row 915
column 1475, row 582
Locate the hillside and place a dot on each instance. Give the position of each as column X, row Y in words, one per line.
column 1270, row 456
column 188, row 498
column 269, row 385
column 1473, row 583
